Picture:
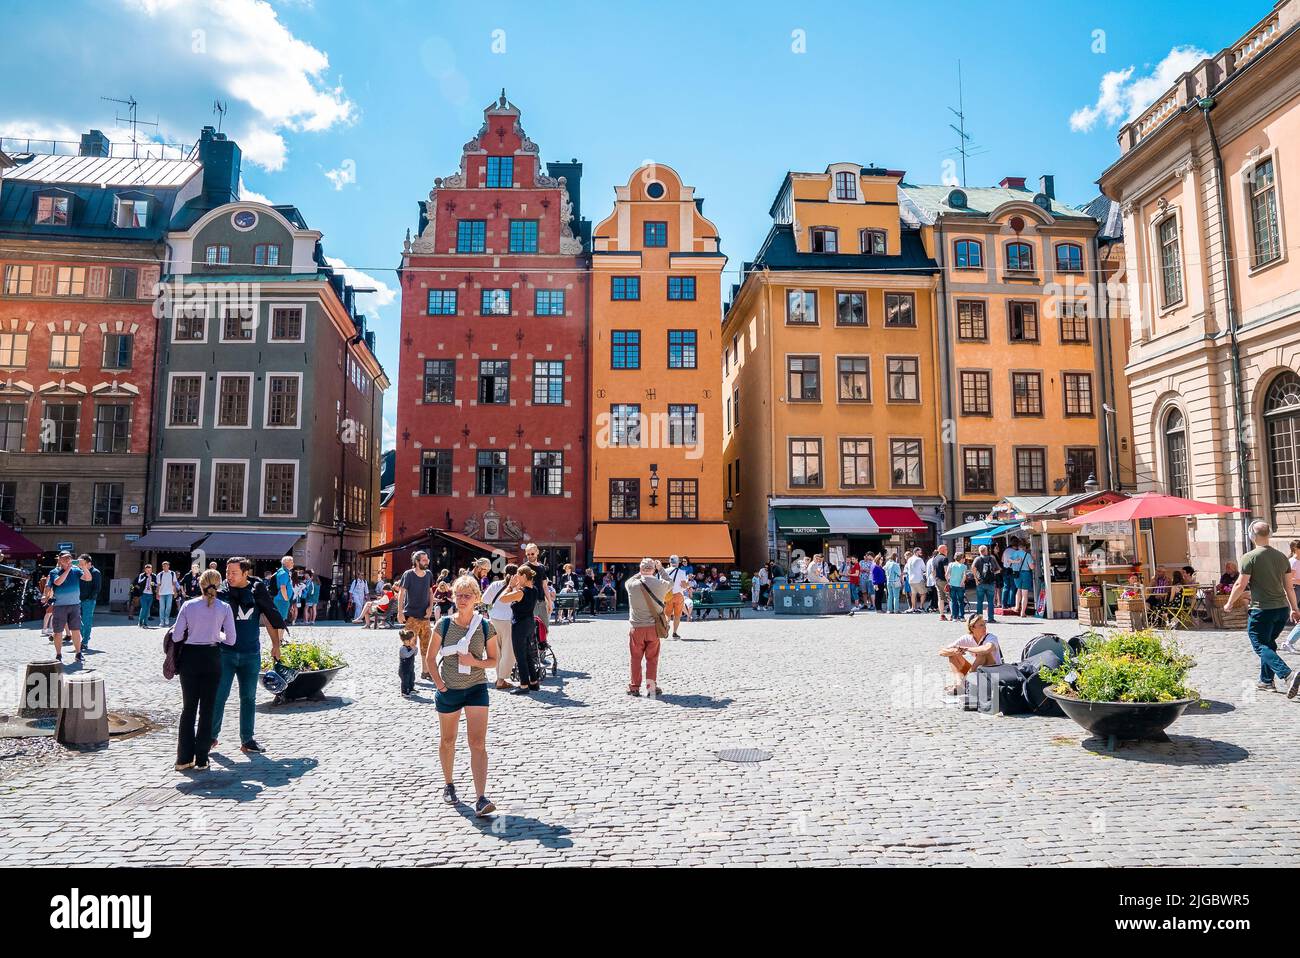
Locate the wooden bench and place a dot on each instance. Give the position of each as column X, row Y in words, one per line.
column 720, row 600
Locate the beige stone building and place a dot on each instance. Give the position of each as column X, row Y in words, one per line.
column 1208, row 182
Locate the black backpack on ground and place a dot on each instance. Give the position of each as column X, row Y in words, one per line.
column 1034, row 689
column 1043, row 642
column 1000, row 690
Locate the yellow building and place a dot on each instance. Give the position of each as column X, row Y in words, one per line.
column 831, row 426
column 655, row 473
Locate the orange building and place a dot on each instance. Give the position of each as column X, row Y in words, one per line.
column 656, row 429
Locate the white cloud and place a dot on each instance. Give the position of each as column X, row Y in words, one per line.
column 1123, row 97
column 384, row 295
column 343, row 174
column 240, row 47
column 252, row 195
column 390, row 435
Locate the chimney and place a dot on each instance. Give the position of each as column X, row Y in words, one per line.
column 1012, row 183
column 1047, row 185
column 220, row 158
column 93, row 143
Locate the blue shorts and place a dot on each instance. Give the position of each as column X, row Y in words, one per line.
column 453, row 700
column 1025, row 580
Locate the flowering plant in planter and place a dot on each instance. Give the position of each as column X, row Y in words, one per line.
column 1090, row 592
column 1131, row 595
column 1222, row 589
column 1125, row 667
column 306, row 657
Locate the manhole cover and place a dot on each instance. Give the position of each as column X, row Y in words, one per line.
column 743, row 755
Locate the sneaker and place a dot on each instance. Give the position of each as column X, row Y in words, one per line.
column 653, row 691
column 80, row 657
column 520, row 690
column 1287, row 647
column 200, row 768
column 634, row 692
column 449, row 794
column 483, row 807
column 184, row 766
column 251, row 746
column 1293, row 684
column 1266, row 686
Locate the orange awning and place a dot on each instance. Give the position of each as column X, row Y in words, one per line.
column 633, row 541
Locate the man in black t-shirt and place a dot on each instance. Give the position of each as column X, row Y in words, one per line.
column 542, row 574
column 986, row 570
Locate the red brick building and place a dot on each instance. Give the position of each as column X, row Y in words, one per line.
column 492, row 383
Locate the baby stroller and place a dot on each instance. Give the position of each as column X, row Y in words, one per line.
column 542, row 652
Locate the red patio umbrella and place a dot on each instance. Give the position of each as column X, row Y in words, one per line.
column 15, row 545
column 1151, row 505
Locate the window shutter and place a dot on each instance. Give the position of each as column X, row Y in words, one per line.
column 44, row 280
column 95, row 288
column 147, row 281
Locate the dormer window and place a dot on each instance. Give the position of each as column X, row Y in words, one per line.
column 217, row 256
column 53, row 210
column 130, row 214
column 873, row 242
column 1020, row 258
column 266, row 254
column 846, row 186
column 824, row 239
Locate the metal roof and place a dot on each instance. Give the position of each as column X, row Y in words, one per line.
column 104, row 170
column 932, row 201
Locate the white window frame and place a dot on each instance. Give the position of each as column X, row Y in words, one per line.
column 1245, row 176
column 261, row 488
column 207, row 316
column 162, row 487
column 266, row 400
column 271, row 307
column 221, row 328
column 212, row 489
column 120, row 202
column 203, row 388
column 1175, row 213
column 252, row 400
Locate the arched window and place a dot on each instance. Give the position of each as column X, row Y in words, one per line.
column 1176, row 454
column 1282, row 425
column 970, row 254
column 1069, row 258
column 1020, row 258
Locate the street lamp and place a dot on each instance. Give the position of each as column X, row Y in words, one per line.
column 654, row 485
column 1091, row 484
column 729, row 503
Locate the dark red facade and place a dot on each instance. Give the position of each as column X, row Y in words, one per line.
column 492, row 383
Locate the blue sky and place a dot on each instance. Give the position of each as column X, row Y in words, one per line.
column 349, row 110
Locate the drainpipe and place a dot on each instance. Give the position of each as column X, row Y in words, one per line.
column 945, row 386
column 1206, row 104
column 1105, row 369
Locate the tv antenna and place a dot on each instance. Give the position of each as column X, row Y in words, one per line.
column 132, row 106
column 965, row 148
column 219, row 107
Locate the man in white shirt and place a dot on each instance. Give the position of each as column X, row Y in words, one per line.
column 916, row 579
column 675, row 602
column 168, row 585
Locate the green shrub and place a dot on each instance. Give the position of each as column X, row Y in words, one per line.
column 1125, row 667
column 306, row 656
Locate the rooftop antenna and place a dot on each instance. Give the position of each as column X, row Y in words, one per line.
column 963, row 138
column 219, row 107
column 132, row 106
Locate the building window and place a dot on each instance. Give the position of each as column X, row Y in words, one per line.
column 969, row 254
column 1031, row 470
column 217, row 256
column 625, row 349
column 59, row 428
column 625, row 287
column 1176, row 477
column 19, row 280
column 178, row 487
column 1074, row 320
column 873, row 242
column 471, row 236
column 801, row 307
column 846, row 186
column 1080, row 466
column 625, row 424
column 683, row 500
column 850, row 309
column 117, row 350
column 681, row 287
column 905, row 463
column 976, row 393
column 972, row 321
column 286, row 324
column 1069, row 258
column 495, row 302
column 234, row 400
column 494, row 382
column 853, row 374
column 442, row 302
column 237, row 324
column 435, row 472
column 977, row 469
column 191, row 325
column 656, row 234
column 1027, row 394
column 13, row 349
column 1265, row 237
column 804, row 375
column 824, row 239
column 625, row 499
column 70, row 281
column 857, row 465
column 186, row 400
column 53, row 507
column 1282, row 424
column 548, row 473
column 1020, row 258
column 548, row 383
column 900, row 309
column 112, row 427
column 500, row 172
column 122, row 282
column 130, row 214
column 228, row 481
column 1171, row 266
column 683, row 424
column 282, row 401
column 439, row 382
column 681, row 348
column 13, row 420
column 9, row 502
column 805, row 462
column 266, row 254
column 278, row 482
column 1078, row 393
column 492, row 470
column 523, row 236
column 735, row 401
column 1022, row 322
column 904, row 378
column 106, row 509
column 548, row 302
column 52, row 210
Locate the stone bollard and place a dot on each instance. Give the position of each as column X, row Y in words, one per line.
column 42, row 683
column 83, row 711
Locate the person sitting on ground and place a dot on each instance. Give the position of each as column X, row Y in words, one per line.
column 981, row 644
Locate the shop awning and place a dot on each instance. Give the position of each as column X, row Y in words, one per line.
column 986, row 538
column 253, row 545
column 800, row 521
column 850, row 520
column 169, row 540
column 895, row 518
column 469, row 542
column 708, row 542
column 969, row 529
column 15, row 545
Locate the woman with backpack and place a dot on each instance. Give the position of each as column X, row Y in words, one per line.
column 465, row 647
column 202, row 625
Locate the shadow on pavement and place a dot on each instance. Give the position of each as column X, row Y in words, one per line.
column 327, row 704
column 1179, row 750
column 517, row 828
column 693, row 701
column 244, row 781
column 1208, row 707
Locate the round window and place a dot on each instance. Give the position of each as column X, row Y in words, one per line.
column 244, row 220
column 655, row 191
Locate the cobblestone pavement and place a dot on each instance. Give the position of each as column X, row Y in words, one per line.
column 869, row 763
